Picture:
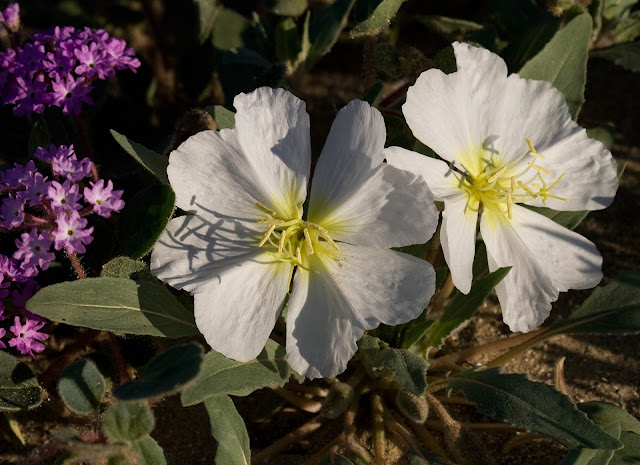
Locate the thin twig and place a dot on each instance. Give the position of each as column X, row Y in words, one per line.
column 287, row 441
column 427, row 438
column 77, row 266
column 379, row 442
column 402, row 432
column 438, row 425
column 330, row 448
column 307, row 389
column 308, row 405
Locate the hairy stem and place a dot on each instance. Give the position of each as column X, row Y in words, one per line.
column 77, row 266
column 402, row 432
column 308, row 405
column 379, row 442
column 287, row 441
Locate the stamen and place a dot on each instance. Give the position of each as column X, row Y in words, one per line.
column 497, row 175
column 509, row 205
column 532, row 149
column 307, row 238
column 267, row 235
column 282, row 240
column 298, row 254
column 527, row 189
column 538, row 155
column 325, row 235
column 265, row 209
column 539, row 168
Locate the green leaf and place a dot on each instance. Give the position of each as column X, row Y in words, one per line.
column 149, row 451
column 415, row 332
column 462, row 307
column 208, row 11
column 536, row 407
column 593, row 456
column 625, row 55
column 451, row 29
column 625, row 30
column 115, row 304
column 606, row 414
column 409, row 370
column 231, row 30
column 614, row 9
column 220, row 375
column 287, row 7
column 630, row 454
column 335, row 459
column 125, row 267
column 530, row 41
column 563, row 62
column 325, row 29
column 128, row 421
column 380, row 14
column 19, row 389
column 166, row 374
column 153, row 162
column 611, row 309
column 81, row 387
column 287, row 44
column 229, row 430
column 144, row 219
column 374, row 96
column 604, row 134
column 225, row 119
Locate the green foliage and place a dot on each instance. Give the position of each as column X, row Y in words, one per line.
column 325, row 29
column 144, row 218
column 611, row 309
column 128, row 421
column 374, row 96
column 563, row 62
column 231, row 30
column 605, row 135
column 625, row 55
column 406, row 368
column 153, row 162
column 335, row 459
column 81, row 387
column 462, row 307
column 614, row 9
column 287, row 44
column 166, row 374
column 225, row 119
column 208, row 11
column 536, row 407
column 606, row 414
column 220, row 375
column 593, row 456
column 148, row 451
column 631, row 451
column 19, row 389
column 115, row 304
column 338, row 400
column 451, row 29
column 125, row 267
column 287, row 7
column 373, row 16
column 229, row 430
column 530, row 41
column 624, row 30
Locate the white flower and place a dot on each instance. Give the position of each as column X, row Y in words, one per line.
column 238, row 252
column 508, row 140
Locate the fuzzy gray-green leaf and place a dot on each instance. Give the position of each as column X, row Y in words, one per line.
column 229, row 430
column 153, row 162
column 128, row 421
column 148, row 451
column 81, row 387
column 379, row 15
column 325, row 28
column 19, row 389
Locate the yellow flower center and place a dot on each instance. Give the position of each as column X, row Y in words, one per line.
column 497, row 185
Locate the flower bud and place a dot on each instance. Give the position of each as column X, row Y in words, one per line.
column 415, row 408
column 338, row 400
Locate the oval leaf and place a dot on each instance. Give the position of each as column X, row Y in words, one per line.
column 128, row 421
column 115, row 304
column 409, row 370
column 325, row 29
column 149, row 451
column 81, row 387
column 165, row 375
column 225, row 119
column 593, row 456
column 221, row 375
column 606, row 414
column 563, row 62
column 536, row 407
column 144, row 218
column 19, row 389
column 228, row 428
column 380, row 14
column 152, row 161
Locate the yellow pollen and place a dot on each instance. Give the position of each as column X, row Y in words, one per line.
column 497, row 175
column 298, row 254
column 307, row 238
column 265, row 209
column 539, row 168
column 527, row 189
column 267, row 235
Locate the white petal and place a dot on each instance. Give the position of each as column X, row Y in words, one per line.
column 236, row 310
column 448, row 112
column 458, row 239
column 273, row 131
column 590, row 176
column 353, row 148
column 441, row 180
column 193, row 250
column 546, row 259
column 391, row 208
column 352, row 290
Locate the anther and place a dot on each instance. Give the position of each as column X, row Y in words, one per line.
column 267, row 235
column 307, row 238
column 527, row 189
column 539, row 168
column 265, row 209
column 509, row 205
column 298, row 255
column 497, row 175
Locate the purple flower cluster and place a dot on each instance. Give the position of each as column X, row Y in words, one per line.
column 49, row 212
column 10, row 17
column 57, row 67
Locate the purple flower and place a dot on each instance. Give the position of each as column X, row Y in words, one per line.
column 37, row 186
column 34, row 249
column 11, row 269
column 31, row 96
column 17, row 176
column 4, row 287
column 10, row 17
column 2, row 334
column 69, row 166
column 19, row 298
column 27, row 336
column 12, row 212
column 93, row 61
column 104, row 199
column 70, row 93
column 64, row 197
column 59, row 64
column 48, row 155
column 71, row 233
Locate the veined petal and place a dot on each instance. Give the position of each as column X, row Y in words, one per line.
column 353, row 148
column 546, row 260
column 273, row 131
column 192, row 250
column 391, row 208
column 343, row 294
column 236, row 310
column 442, row 181
column 448, row 112
column 458, row 238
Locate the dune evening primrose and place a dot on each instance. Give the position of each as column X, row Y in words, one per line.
column 247, row 236
column 507, row 140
